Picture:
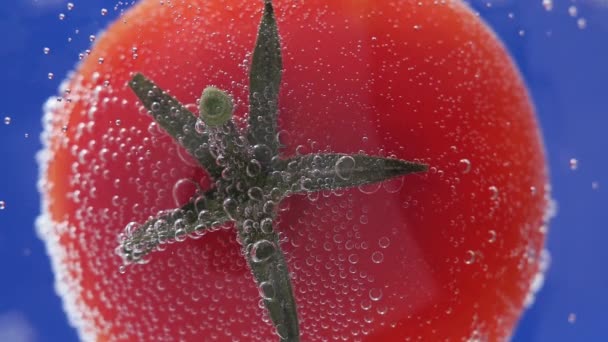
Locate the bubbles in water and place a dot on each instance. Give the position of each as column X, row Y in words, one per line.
column 465, row 166
column 262, row 250
column 548, row 5
column 51, row 75
column 572, row 318
column 104, row 11
column 573, row 164
column 266, row 290
column 345, row 166
column 469, row 257
column 573, row 11
column 46, row 50
column 61, row 16
column 375, row 294
column 2, row 205
column 384, row 242
column 377, row 257
column 581, row 23
column 70, row 6
column 493, row 192
column 491, row 236
column 7, row 120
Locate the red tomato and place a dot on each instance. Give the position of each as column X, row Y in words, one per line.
column 446, row 255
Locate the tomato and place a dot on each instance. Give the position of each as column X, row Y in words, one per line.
column 450, row 254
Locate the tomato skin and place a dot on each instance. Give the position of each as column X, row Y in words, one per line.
column 422, row 82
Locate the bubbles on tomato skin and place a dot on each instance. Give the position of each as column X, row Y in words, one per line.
column 539, row 278
column 377, row 257
column 469, row 257
column 464, row 165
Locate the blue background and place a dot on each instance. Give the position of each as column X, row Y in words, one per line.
column 565, row 67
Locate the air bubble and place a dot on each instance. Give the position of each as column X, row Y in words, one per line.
column 262, row 251
column 384, row 242
column 581, row 23
column 50, row 75
column 266, row 290
column 104, row 11
column 70, row 6
column 375, row 294
column 491, row 236
column 377, row 257
column 46, row 50
column 548, row 5
column 573, row 164
column 7, row 120
column 61, row 16
column 464, row 165
column 493, row 192
column 266, row 226
column 2, row 205
column 469, row 257
column 345, row 167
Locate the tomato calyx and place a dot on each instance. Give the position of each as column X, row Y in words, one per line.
column 250, row 177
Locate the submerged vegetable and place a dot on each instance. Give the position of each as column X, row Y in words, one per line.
column 446, row 254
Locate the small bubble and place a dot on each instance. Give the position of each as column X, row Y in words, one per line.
column 491, row 236
column 465, row 166
column 70, row 6
column 384, row 242
column 493, row 192
column 262, row 250
column 7, row 120
column 61, row 16
column 548, row 5
column 377, row 257
column 572, row 318
column 266, row 226
column 345, row 166
column 595, row 185
column 2, row 205
column 573, row 164
column 50, row 75
column 375, row 294
column 469, row 257
column 266, row 290
column 581, row 23
column 92, row 38
column 573, row 11
column 100, row 60
column 104, row 11
column 46, row 50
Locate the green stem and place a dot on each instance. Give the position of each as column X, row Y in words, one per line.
column 176, row 120
column 264, row 83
